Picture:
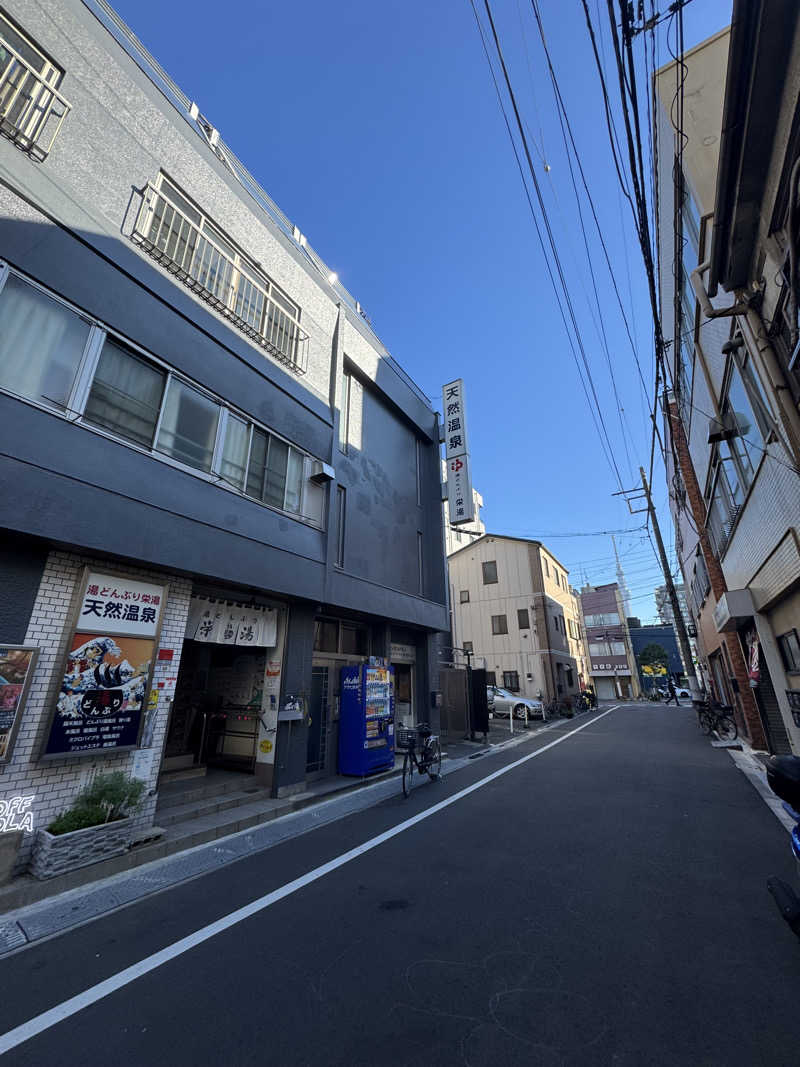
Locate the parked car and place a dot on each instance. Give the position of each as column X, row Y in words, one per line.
column 502, row 703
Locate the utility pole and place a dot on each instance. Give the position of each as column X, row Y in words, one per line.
column 680, row 625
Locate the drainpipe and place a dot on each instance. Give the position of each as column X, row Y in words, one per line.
column 703, row 299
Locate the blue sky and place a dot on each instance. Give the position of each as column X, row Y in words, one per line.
column 376, row 128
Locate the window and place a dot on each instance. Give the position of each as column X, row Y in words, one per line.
column 52, row 356
column 178, row 234
column 344, row 414
column 522, row 619
column 491, row 678
column 607, row 648
column 31, row 108
column 511, row 681
column 790, row 651
column 700, row 581
column 464, row 596
column 467, row 646
column 499, row 624
column 353, row 639
column 610, row 618
column 326, row 635
column 341, row 505
column 333, row 635
column 489, row 572
column 546, row 567
column 420, row 564
column 126, row 395
column 188, row 426
column 42, row 344
column 274, row 472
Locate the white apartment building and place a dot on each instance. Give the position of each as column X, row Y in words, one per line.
column 515, row 611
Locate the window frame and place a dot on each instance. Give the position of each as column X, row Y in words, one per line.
column 784, row 642
column 463, row 596
column 523, row 613
column 513, row 687
column 496, row 620
column 489, row 563
column 74, row 410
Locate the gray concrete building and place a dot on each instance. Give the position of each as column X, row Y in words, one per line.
column 205, row 450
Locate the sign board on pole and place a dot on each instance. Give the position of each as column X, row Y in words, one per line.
column 461, row 505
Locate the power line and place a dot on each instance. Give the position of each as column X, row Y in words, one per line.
column 551, row 239
column 607, row 450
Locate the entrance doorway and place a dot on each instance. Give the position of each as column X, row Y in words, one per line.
column 322, row 750
column 216, row 709
column 403, row 694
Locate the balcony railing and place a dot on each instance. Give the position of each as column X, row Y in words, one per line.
column 232, row 287
column 31, row 110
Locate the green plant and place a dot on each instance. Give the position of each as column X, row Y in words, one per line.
column 107, row 798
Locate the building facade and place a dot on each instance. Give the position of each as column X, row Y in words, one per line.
column 612, row 665
column 652, row 676
column 726, row 239
column 205, row 447
column 516, row 614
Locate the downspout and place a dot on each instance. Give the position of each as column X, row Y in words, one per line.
column 703, row 299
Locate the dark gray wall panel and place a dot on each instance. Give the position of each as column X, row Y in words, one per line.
column 22, row 562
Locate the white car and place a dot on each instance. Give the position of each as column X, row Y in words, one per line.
column 502, row 704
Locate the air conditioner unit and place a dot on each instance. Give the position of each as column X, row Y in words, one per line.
column 321, row 472
column 722, row 429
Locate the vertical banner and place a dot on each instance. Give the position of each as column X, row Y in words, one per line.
column 109, row 665
column 461, row 506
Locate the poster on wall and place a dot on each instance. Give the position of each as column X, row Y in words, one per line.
column 106, row 680
column 17, row 664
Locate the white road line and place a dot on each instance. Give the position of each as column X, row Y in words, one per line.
column 40, row 1023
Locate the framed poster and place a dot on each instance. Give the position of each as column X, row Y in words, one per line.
column 107, row 674
column 17, row 664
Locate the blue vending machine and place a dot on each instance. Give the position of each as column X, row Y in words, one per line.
column 366, row 719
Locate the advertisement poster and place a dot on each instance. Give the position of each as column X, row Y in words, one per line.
column 16, row 669
column 106, row 681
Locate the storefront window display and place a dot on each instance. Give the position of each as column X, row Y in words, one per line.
column 17, row 664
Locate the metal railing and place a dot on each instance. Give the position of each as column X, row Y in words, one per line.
column 31, row 110
column 178, row 243
column 146, row 62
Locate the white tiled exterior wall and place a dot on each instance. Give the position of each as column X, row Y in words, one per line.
column 55, row 783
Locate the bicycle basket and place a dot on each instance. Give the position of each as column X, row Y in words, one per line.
column 405, row 738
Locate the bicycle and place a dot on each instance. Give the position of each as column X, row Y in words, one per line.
column 427, row 759
column 717, row 718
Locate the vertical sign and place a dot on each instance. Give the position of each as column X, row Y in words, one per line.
column 109, row 665
column 459, row 483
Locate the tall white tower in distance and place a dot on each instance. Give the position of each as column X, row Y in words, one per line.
column 624, row 592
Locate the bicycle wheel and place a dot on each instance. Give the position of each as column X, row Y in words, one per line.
column 726, row 728
column 434, row 760
column 408, row 771
column 706, row 720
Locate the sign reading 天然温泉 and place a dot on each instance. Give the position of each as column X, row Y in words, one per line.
column 109, row 666
column 460, row 503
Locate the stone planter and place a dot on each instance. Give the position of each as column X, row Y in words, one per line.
column 9, row 847
column 59, row 853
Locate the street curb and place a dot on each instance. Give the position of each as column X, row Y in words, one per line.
column 753, row 770
column 48, row 918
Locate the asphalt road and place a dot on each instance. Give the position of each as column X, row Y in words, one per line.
column 601, row 903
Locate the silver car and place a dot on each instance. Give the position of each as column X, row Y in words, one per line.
column 503, row 704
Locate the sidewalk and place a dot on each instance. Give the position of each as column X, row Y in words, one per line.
column 31, row 909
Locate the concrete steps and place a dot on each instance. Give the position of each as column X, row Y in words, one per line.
column 200, row 807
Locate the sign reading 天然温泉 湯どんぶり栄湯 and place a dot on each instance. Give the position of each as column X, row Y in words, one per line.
column 108, row 668
column 461, row 507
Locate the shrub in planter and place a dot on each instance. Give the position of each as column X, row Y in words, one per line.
column 107, row 798
column 96, row 827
